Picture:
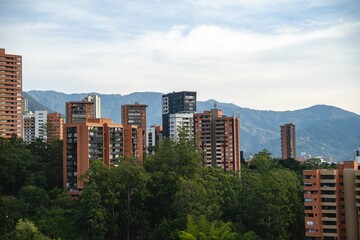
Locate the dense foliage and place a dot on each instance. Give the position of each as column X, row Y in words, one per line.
column 171, row 196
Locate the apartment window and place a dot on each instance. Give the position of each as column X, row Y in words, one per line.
column 330, row 223
column 329, row 215
column 327, row 184
column 327, row 192
column 310, row 223
column 327, row 177
column 328, row 207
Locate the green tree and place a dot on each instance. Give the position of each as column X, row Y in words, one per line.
column 15, row 162
column 34, row 198
column 96, row 201
column 228, row 188
column 59, row 220
column 129, row 181
column 11, row 210
column 197, row 197
column 171, row 165
column 248, row 236
column 270, row 198
column 202, row 229
column 26, row 230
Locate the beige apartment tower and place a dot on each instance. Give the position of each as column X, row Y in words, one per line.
column 10, row 95
column 332, row 202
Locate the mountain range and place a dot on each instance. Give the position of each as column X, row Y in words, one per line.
column 321, row 130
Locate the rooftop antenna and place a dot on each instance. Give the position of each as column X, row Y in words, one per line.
column 215, row 105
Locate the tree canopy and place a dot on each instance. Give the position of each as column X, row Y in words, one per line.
column 171, row 196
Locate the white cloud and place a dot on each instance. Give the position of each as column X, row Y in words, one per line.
column 81, row 49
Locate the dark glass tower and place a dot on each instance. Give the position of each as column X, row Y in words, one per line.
column 176, row 102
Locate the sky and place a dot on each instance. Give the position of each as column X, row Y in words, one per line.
column 261, row 54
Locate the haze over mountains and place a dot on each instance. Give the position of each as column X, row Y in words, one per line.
column 321, row 130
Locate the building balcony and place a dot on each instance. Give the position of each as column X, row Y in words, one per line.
column 328, row 211
column 327, row 180
column 328, row 196
column 327, row 188
column 328, row 203
column 329, row 227
column 334, row 235
column 311, row 188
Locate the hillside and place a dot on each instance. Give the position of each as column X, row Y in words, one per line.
column 321, row 130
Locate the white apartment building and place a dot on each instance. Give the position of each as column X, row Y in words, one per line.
column 179, row 121
column 34, row 126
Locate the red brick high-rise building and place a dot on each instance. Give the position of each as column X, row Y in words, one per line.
column 96, row 139
column 135, row 114
column 219, row 137
column 55, row 124
column 288, row 141
column 11, row 95
column 79, row 111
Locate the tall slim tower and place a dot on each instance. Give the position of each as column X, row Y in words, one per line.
column 176, row 102
column 135, row 114
column 55, row 124
column 288, row 141
column 11, row 94
column 25, row 105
